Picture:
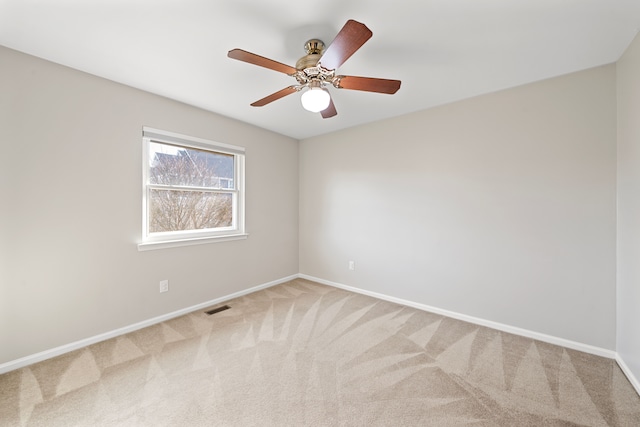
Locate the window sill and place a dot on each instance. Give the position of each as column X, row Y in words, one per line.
column 149, row 246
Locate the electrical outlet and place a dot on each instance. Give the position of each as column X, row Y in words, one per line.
column 352, row 265
column 164, row 286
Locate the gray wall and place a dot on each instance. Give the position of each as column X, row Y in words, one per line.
column 501, row 207
column 70, row 182
column 628, row 69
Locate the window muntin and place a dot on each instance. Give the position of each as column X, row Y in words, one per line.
column 192, row 188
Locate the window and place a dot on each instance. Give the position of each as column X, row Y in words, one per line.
column 193, row 190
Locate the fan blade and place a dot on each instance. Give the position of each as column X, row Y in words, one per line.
column 275, row 96
column 369, row 84
column 350, row 38
column 330, row 111
column 252, row 58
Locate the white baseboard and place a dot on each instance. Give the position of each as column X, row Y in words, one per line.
column 586, row 348
column 632, row 378
column 48, row 354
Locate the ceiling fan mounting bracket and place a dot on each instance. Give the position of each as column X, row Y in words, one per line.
column 314, row 47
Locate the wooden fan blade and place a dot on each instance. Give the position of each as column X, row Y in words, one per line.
column 330, row 111
column 350, row 38
column 369, row 84
column 252, row 58
column 275, row 96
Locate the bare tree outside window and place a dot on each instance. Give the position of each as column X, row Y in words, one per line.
column 190, row 189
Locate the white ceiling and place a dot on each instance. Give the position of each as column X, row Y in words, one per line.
column 442, row 50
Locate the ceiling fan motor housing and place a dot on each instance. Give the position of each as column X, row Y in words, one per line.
column 314, row 48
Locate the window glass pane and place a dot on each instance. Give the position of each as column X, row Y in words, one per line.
column 172, row 165
column 171, row 210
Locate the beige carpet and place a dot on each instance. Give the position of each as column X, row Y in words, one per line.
column 301, row 353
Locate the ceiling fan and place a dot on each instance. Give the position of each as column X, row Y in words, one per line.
column 317, row 69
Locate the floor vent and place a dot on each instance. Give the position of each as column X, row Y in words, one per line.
column 217, row 310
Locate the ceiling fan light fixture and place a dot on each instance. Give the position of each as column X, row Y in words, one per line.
column 315, row 99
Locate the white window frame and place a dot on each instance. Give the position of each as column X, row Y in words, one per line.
column 192, row 237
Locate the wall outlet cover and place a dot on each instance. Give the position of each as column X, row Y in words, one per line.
column 164, row 286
